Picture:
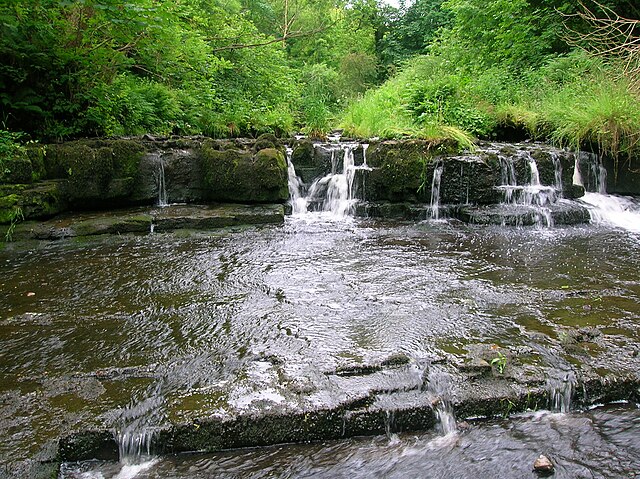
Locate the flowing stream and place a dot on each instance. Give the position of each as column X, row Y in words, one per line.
column 134, row 332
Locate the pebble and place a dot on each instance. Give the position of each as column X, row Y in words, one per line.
column 543, row 465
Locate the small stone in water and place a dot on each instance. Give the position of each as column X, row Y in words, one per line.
column 543, row 465
column 30, row 293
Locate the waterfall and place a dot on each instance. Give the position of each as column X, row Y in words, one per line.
column 389, row 426
column 609, row 210
column 577, row 175
column 438, row 386
column 136, row 427
column 561, row 392
column 539, row 196
column 508, row 178
column 336, row 192
column 435, row 192
column 617, row 211
column 535, row 175
column 365, row 146
column 298, row 203
column 557, row 168
column 162, row 187
column 601, row 180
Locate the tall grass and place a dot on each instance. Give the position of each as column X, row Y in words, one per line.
column 380, row 113
column 604, row 113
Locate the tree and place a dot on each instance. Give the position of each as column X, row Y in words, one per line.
column 411, row 32
column 611, row 35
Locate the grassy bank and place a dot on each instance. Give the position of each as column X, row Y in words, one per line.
column 572, row 100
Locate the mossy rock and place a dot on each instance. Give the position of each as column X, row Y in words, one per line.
column 264, row 141
column 302, row 154
column 8, row 207
column 40, row 201
column 37, row 155
column 127, row 155
column 399, row 171
column 240, row 176
column 96, row 173
column 466, row 181
column 16, row 170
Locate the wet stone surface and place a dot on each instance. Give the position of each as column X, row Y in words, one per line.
column 146, row 220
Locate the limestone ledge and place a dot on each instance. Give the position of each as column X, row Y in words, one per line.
column 149, row 220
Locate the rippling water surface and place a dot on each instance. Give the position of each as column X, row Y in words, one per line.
column 91, row 327
column 602, row 443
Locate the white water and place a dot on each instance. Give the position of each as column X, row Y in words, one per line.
column 561, row 393
column 439, row 388
column 337, row 192
column 435, row 192
column 557, row 166
column 134, row 433
column 509, row 181
column 616, row 211
column 577, row 175
column 608, row 210
column 298, row 203
column 534, row 195
column 163, row 200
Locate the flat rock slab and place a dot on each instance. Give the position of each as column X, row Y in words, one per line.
column 147, row 220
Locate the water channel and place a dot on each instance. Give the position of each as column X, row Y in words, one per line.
column 138, row 331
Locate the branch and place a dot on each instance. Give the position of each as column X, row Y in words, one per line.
column 611, row 35
column 284, row 38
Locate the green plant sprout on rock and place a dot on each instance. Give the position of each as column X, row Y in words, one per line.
column 499, row 362
column 16, row 217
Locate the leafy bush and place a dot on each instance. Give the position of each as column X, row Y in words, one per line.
column 133, row 106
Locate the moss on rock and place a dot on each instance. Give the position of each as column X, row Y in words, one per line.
column 95, row 171
column 40, row 201
column 302, row 154
column 16, row 170
column 399, row 170
column 240, row 176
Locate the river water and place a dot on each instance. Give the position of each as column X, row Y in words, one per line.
column 142, row 330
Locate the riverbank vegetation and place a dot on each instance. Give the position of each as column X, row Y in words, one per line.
column 456, row 69
column 526, row 69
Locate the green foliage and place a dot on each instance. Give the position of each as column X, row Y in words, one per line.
column 602, row 113
column 414, row 30
column 130, row 105
column 15, row 217
column 318, row 98
column 512, row 33
column 380, row 113
column 100, row 67
column 499, row 362
column 9, row 144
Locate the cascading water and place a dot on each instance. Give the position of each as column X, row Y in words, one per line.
column 508, row 177
column 298, row 203
column 534, row 195
column 617, row 211
column 561, row 393
column 557, row 168
column 577, row 174
column 434, row 207
column 134, row 432
column 438, row 386
column 539, row 196
column 162, row 186
column 336, row 193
